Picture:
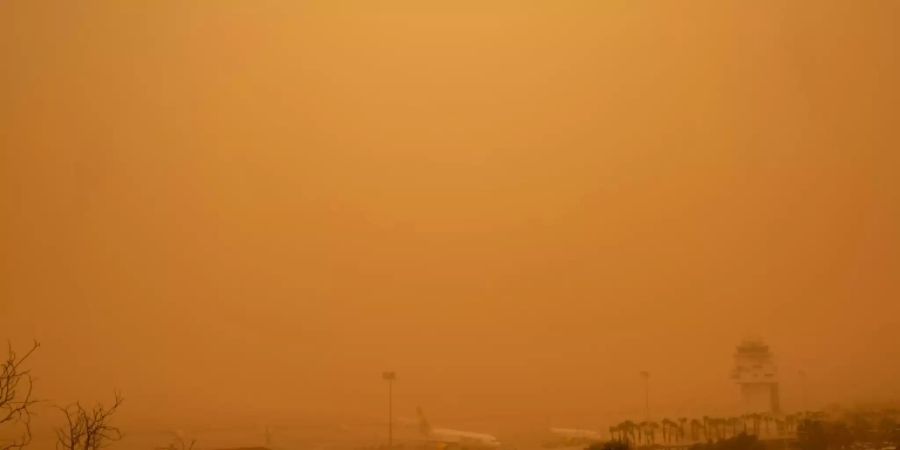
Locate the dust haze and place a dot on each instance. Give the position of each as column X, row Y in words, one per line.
column 245, row 212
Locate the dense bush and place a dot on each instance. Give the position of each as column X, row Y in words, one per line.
column 843, row 434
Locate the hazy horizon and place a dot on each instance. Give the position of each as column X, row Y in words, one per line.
column 251, row 209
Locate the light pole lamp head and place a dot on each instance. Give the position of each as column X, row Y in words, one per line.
column 389, row 376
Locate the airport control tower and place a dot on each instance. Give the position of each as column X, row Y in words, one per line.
column 755, row 372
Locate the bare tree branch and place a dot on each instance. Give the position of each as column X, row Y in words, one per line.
column 88, row 428
column 16, row 399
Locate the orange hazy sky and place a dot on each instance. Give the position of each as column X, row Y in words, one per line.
column 257, row 207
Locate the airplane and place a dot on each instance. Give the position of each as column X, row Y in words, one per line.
column 570, row 437
column 455, row 439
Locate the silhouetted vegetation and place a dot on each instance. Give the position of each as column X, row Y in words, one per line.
column 610, row 445
column 16, row 399
column 849, row 430
column 88, row 428
column 706, row 429
column 85, row 429
column 742, row 441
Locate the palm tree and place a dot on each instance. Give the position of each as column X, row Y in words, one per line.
column 650, row 432
column 712, row 428
column 706, row 425
column 642, row 431
column 681, row 425
column 696, row 427
column 719, row 428
column 766, row 420
column 619, row 432
column 647, row 431
column 779, row 426
column 745, row 418
column 627, row 429
column 755, row 418
column 669, row 428
column 734, row 422
column 790, row 423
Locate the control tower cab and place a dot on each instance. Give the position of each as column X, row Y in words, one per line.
column 755, row 372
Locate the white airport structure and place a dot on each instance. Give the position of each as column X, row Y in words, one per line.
column 756, row 374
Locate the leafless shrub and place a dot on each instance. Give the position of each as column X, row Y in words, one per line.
column 16, row 398
column 88, row 428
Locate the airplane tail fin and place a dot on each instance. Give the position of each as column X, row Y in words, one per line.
column 424, row 426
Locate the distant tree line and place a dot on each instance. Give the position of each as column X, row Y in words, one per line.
column 705, row 429
column 741, row 441
column 849, row 430
column 837, row 430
